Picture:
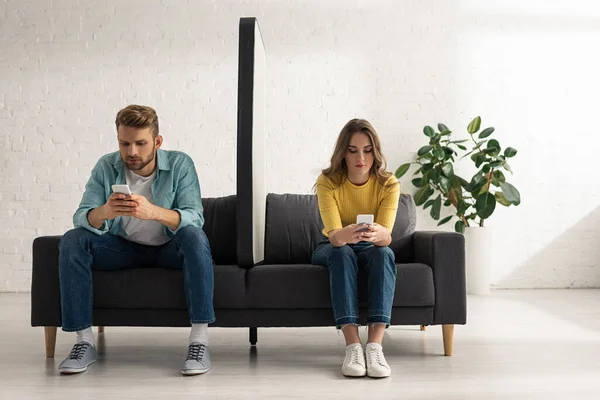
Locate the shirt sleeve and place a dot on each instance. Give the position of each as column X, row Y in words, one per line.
column 386, row 213
column 188, row 199
column 328, row 207
column 94, row 196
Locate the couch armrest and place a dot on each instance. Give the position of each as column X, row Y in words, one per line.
column 45, row 286
column 444, row 252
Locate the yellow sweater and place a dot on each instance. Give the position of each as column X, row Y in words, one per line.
column 340, row 205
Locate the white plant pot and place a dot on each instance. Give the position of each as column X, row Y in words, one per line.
column 478, row 247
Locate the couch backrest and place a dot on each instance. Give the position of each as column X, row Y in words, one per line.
column 220, row 228
column 293, row 228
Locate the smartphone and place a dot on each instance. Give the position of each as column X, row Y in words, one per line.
column 123, row 189
column 366, row 219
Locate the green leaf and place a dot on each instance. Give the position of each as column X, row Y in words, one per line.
column 443, row 128
column 418, row 182
column 418, row 171
column 442, row 222
column 439, row 153
column 498, row 177
column 460, row 146
column 474, row 125
column 445, row 183
column 486, row 168
column 402, row 170
column 462, row 208
column 423, row 195
column 485, row 205
column 458, row 141
column 459, row 226
column 447, row 169
column 493, row 144
column 496, row 164
column 428, row 131
column 424, row 150
column 507, row 167
column 447, row 203
column 481, row 158
column 511, row 193
column 510, row 152
column 436, row 208
column 486, row 132
column 501, row 199
column 428, row 203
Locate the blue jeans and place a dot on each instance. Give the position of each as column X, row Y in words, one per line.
column 81, row 250
column 343, row 264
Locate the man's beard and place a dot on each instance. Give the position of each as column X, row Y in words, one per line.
column 138, row 164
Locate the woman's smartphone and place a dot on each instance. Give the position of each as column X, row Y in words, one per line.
column 366, row 219
column 123, row 189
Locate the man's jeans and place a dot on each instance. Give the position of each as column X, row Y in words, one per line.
column 343, row 264
column 82, row 250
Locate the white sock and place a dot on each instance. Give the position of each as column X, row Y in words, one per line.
column 86, row 335
column 353, row 345
column 374, row 345
column 199, row 334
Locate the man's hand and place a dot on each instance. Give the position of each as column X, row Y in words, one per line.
column 143, row 209
column 118, row 205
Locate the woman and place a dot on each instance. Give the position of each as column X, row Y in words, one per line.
column 356, row 183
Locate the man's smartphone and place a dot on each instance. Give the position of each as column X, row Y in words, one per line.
column 364, row 219
column 123, row 189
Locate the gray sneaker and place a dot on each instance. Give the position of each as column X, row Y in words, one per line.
column 197, row 361
column 82, row 355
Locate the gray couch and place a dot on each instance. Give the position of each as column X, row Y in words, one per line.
column 285, row 290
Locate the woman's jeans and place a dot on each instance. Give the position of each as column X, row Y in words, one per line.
column 343, row 264
column 81, row 250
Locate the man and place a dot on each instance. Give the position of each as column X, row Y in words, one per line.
column 160, row 224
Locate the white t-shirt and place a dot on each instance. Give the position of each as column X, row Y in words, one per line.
column 138, row 230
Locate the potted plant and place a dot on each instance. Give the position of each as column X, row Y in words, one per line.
column 473, row 200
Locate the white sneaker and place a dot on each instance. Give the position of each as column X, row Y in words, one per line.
column 354, row 363
column 377, row 367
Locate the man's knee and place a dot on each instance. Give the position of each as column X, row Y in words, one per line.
column 192, row 235
column 73, row 237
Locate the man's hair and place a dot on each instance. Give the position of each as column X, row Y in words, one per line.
column 138, row 117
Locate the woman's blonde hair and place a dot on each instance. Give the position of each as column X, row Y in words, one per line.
column 337, row 171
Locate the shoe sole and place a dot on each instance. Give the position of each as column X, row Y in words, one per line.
column 378, row 376
column 71, row 371
column 356, row 375
column 190, row 372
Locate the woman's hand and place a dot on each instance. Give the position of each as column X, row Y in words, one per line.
column 376, row 234
column 346, row 235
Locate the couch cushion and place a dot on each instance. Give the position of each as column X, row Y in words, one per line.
column 220, row 228
column 293, row 228
column 163, row 288
column 307, row 286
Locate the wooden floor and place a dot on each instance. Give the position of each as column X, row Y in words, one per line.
column 541, row 344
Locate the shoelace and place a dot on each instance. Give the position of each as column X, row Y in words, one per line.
column 355, row 356
column 374, row 356
column 196, row 352
column 78, row 351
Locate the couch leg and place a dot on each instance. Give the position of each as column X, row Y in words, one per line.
column 423, row 327
column 50, row 334
column 100, row 329
column 448, row 334
column 253, row 336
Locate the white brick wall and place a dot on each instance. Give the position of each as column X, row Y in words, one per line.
column 529, row 68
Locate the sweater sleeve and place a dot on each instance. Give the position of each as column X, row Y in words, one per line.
column 328, row 207
column 386, row 213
